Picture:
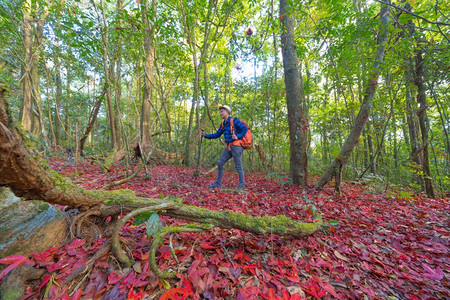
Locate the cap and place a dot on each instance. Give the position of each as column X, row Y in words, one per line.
column 226, row 107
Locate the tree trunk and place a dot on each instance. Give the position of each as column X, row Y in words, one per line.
column 187, row 146
column 422, row 100
column 294, row 99
column 26, row 113
column 196, row 97
column 91, row 122
column 373, row 168
column 67, row 102
column 341, row 160
column 147, row 98
column 38, row 113
column 108, row 68
column 57, row 117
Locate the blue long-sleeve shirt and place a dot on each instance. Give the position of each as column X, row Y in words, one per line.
column 239, row 130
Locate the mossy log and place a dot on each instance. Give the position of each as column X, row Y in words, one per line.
column 31, row 177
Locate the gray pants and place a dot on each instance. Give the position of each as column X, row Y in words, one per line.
column 236, row 154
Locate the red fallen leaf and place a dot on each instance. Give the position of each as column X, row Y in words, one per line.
column 271, row 295
column 54, row 267
column 45, row 281
column 240, row 255
column 45, row 256
column 77, row 295
column 249, row 268
column 248, row 293
column 314, row 289
column 296, row 296
column 206, row 245
column 330, row 289
column 75, row 243
column 437, row 274
column 132, row 296
column 56, row 292
column 12, row 259
column 177, row 294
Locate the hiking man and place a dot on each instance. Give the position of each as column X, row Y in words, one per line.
column 232, row 150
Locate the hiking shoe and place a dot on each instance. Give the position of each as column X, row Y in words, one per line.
column 215, row 185
column 241, row 188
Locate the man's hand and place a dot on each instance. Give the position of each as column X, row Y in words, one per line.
column 202, row 133
column 234, row 137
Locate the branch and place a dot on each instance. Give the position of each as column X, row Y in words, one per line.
column 413, row 14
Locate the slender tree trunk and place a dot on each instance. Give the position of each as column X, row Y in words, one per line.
column 294, row 98
column 196, row 98
column 117, row 65
column 274, row 110
column 91, row 122
column 373, row 169
column 366, row 148
column 341, row 160
column 57, row 116
column 26, row 114
column 423, row 121
column 108, row 67
column 147, row 97
column 38, row 112
column 404, row 124
column 68, row 100
column 187, row 148
column 410, row 116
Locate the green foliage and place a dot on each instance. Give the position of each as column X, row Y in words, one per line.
column 335, row 44
column 405, row 195
column 154, row 225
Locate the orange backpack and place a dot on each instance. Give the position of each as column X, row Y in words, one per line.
column 246, row 141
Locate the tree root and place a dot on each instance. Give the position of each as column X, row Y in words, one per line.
column 159, row 239
column 80, row 219
column 117, row 248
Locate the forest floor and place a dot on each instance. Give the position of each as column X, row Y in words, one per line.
column 376, row 245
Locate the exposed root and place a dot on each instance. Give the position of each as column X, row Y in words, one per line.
column 80, row 219
column 116, row 246
column 159, row 239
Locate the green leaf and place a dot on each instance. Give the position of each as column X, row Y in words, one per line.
column 334, row 223
column 142, row 218
column 154, row 225
column 165, row 284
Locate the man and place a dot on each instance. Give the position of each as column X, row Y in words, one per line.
column 232, row 150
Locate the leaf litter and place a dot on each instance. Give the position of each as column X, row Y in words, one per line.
column 375, row 246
